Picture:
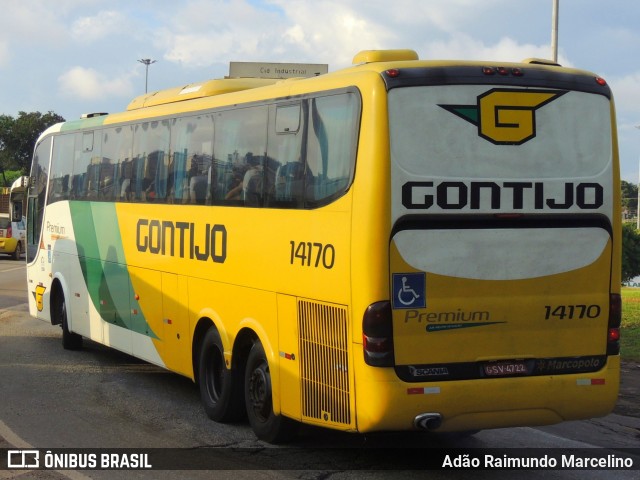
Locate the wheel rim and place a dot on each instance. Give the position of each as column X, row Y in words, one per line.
column 260, row 392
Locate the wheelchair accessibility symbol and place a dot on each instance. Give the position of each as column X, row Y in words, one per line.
column 409, row 290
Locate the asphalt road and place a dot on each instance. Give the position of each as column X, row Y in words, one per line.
column 101, row 398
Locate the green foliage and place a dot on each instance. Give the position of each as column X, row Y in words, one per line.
column 18, row 137
column 10, row 176
column 630, row 252
column 629, row 196
column 630, row 335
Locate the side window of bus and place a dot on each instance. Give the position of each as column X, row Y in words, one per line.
column 79, row 174
column 63, row 152
column 191, row 171
column 36, row 196
column 86, row 165
column 285, row 178
column 115, row 169
column 240, row 156
column 102, row 168
column 331, row 146
column 150, row 163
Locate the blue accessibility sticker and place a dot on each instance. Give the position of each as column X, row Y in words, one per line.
column 409, row 290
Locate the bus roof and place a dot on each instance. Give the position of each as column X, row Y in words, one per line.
column 174, row 99
column 198, row 90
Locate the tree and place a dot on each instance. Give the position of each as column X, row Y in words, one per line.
column 630, row 252
column 629, row 196
column 18, row 137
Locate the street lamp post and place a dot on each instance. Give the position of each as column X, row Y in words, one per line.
column 146, row 62
column 554, row 31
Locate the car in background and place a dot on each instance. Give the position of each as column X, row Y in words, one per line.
column 13, row 236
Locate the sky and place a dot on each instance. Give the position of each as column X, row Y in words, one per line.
column 79, row 56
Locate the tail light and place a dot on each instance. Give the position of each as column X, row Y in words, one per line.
column 377, row 335
column 615, row 318
column 9, row 231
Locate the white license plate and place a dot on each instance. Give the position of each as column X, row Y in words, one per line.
column 500, row 369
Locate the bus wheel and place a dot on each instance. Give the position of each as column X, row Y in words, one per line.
column 70, row 340
column 266, row 425
column 220, row 387
column 18, row 252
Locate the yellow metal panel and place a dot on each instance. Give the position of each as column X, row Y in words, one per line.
column 506, row 313
column 289, row 357
column 146, row 313
column 176, row 341
column 368, row 56
column 386, row 403
column 197, row 90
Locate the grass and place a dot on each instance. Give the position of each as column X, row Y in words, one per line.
column 630, row 331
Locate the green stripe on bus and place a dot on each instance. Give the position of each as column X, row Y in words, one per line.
column 103, row 265
column 83, row 123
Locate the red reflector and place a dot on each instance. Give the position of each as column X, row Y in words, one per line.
column 585, row 382
column 377, row 335
column 601, row 81
column 393, row 72
column 614, row 335
column 615, row 310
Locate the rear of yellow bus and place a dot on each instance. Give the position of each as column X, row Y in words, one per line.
column 504, row 275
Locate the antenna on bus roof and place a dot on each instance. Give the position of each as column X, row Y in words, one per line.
column 91, row 115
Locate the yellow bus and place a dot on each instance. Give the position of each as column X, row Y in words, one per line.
column 399, row 245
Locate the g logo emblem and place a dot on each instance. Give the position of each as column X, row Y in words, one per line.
column 505, row 116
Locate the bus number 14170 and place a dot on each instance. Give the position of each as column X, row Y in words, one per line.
column 570, row 312
column 312, row 254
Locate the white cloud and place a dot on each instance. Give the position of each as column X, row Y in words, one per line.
column 93, row 28
column 31, row 23
column 505, row 50
column 626, row 92
column 203, row 33
column 88, row 84
column 5, row 54
column 198, row 50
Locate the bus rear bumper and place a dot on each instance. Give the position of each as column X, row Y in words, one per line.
column 385, row 403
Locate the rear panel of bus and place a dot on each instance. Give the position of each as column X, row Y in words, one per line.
column 504, row 234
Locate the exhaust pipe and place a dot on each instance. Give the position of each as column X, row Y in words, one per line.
column 427, row 421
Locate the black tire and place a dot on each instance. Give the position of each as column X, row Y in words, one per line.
column 18, row 252
column 220, row 387
column 70, row 340
column 266, row 425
